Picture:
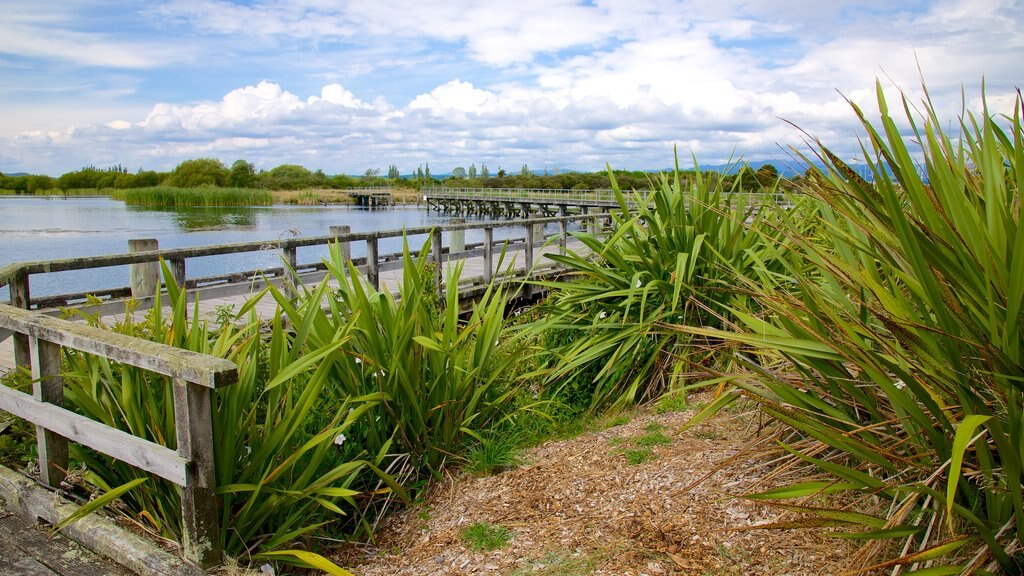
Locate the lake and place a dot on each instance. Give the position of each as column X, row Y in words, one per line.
column 47, row 228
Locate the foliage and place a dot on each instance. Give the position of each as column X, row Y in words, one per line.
column 291, row 177
column 908, row 338
column 17, row 437
column 242, row 174
column 673, row 260
column 169, row 196
column 493, row 453
column 199, row 172
column 484, row 536
column 443, row 380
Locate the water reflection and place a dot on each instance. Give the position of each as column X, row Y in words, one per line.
column 191, row 219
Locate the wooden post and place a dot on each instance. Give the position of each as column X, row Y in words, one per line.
column 346, row 248
column 458, row 239
column 178, row 271
column 144, row 276
column 372, row 267
column 529, row 248
column 20, row 299
column 563, row 228
column 488, row 254
column 47, row 386
column 291, row 280
column 435, row 253
column 193, row 422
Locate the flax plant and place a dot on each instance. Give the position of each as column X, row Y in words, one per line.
column 443, row 376
column 672, row 259
column 906, row 344
column 279, row 479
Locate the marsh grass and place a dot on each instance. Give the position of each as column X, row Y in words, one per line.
column 172, row 196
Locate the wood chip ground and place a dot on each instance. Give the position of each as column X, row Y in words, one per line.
column 579, row 506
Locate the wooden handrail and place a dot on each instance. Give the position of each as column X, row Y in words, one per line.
column 193, row 375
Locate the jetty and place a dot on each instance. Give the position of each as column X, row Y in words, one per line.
column 524, row 202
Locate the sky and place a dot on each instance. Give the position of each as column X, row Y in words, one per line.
column 347, row 86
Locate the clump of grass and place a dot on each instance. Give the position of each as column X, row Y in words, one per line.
column 179, row 197
column 484, row 536
column 653, row 437
column 637, row 456
column 493, row 453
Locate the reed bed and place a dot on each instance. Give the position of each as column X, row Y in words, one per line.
column 183, row 197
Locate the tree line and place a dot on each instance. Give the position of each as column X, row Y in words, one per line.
column 210, row 172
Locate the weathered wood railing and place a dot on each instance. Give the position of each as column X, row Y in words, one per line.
column 194, row 377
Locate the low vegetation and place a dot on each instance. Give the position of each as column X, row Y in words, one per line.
column 879, row 322
column 182, row 197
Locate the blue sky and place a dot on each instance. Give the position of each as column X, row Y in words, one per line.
column 348, row 86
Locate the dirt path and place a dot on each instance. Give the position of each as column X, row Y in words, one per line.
column 632, row 499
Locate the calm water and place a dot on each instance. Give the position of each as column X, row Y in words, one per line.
column 39, row 228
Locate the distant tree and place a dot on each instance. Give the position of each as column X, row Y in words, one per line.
column 199, row 172
column 148, row 178
column 484, row 172
column 288, row 177
column 525, row 171
column 393, row 172
column 371, row 173
column 766, row 175
column 472, row 170
column 242, row 175
column 419, row 173
column 458, row 172
column 426, row 173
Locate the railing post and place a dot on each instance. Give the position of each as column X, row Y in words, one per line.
column 20, row 299
column 372, row 266
column 193, row 417
column 144, row 276
column 435, row 254
column 346, row 248
column 457, row 242
column 488, row 254
column 291, row 279
column 48, row 386
column 563, row 228
column 529, row 248
column 178, row 271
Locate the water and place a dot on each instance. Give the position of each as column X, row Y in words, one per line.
column 47, row 228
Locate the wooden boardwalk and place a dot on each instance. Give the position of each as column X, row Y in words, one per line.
column 213, row 301
column 29, row 550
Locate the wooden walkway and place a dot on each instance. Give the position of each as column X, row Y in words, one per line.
column 29, row 550
column 213, row 301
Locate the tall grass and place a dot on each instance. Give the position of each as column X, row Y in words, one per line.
column 905, row 343
column 171, row 196
column 671, row 260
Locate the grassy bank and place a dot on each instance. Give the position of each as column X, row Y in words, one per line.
column 170, row 196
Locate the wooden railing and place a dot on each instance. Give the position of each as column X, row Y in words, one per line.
column 194, row 377
column 591, row 197
column 39, row 338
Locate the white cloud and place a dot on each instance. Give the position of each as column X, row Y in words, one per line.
column 564, row 83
